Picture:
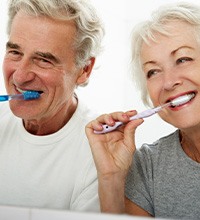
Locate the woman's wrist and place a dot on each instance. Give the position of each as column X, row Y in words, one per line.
column 111, row 193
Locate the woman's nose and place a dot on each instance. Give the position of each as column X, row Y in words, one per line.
column 171, row 79
column 23, row 72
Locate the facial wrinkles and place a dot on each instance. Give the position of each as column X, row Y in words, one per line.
column 182, row 44
column 59, row 82
column 162, row 55
column 166, row 45
column 41, row 27
column 62, row 57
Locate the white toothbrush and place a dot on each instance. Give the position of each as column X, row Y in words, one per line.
column 176, row 102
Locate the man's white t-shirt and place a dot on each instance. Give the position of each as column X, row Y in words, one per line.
column 55, row 171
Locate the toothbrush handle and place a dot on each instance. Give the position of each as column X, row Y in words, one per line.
column 146, row 113
column 4, row 98
column 10, row 97
column 143, row 114
column 107, row 128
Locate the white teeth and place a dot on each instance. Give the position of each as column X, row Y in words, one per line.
column 20, row 90
column 182, row 99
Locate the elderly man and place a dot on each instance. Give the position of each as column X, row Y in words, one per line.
column 45, row 159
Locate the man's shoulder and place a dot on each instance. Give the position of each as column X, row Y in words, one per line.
column 5, row 109
column 85, row 113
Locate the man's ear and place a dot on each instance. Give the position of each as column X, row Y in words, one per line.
column 85, row 72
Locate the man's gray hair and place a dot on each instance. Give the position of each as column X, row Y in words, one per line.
column 90, row 30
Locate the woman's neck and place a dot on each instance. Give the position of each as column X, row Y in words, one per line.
column 191, row 146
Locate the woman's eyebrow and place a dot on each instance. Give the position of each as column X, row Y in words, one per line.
column 182, row 48
column 149, row 62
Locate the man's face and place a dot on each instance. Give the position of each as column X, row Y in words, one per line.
column 40, row 56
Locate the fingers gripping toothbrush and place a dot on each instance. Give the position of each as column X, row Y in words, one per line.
column 28, row 95
column 147, row 113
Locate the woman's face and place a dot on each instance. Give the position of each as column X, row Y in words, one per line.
column 172, row 69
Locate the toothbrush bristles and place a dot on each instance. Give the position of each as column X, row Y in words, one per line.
column 29, row 95
column 182, row 100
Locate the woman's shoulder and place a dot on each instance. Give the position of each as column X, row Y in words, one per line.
column 164, row 144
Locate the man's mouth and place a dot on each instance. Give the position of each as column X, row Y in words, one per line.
column 23, row 91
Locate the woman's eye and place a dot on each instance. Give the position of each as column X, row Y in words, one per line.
column 183, row 60
column 151, row 73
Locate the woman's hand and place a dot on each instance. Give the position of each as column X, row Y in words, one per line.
column 113, row 153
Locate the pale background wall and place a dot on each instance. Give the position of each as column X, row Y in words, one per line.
column 110, row 88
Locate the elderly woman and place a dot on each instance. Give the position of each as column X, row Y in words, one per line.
column 160, row 179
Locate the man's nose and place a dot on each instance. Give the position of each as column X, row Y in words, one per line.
column 24, row 71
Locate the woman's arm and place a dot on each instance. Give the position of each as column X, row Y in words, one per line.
column 132, row 209
column 113, row 153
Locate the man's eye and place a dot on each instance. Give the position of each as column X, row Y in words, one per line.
column 43, row 63
column 13, row 54
column 183, row 60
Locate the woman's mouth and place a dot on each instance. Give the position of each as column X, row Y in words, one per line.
column 181, row 100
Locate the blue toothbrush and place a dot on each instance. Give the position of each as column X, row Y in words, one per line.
column 28, row 95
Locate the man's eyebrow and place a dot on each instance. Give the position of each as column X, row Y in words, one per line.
column 48, row 56
column 45, row 55
column 12, row 45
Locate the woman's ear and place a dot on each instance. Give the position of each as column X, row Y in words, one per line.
column 85, row 72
